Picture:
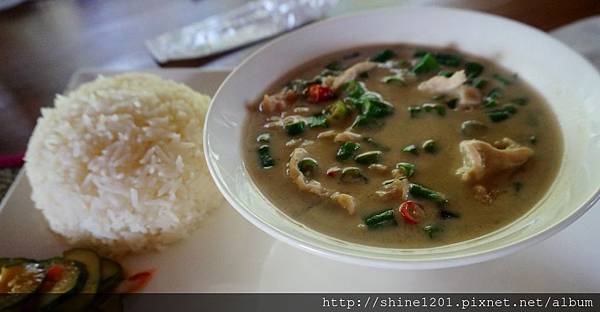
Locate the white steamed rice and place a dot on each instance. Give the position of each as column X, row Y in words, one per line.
column 118, row 164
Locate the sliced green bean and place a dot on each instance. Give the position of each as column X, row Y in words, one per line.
column 412, row 149
column 385, row 217
column 263, row 138
column 265, row 158
column 430, row 146
column 352, row 174
column 420, row 191
column 307, row 165
column 368, row 158
column 408, row 168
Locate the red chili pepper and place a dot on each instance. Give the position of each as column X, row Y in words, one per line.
column 333, row 172
column 412, row 212
column 54, row 273
column 317, row 93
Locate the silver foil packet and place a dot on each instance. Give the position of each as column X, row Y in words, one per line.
column 249, row 23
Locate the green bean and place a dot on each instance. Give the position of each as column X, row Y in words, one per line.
column 295, row 127
column 433, row 230
column 307, row 165
column 378, row 219
column 411, row 149
column 423, row 192
column 430, row 146
column 263, row 138
column 368, row 158
column 383, row 56
column 352, row 174
column 408, row 168
column 265, row 158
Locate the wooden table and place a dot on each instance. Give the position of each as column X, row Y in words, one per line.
column 43, row 42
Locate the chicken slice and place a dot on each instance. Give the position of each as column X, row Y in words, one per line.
column 481, row 160
column 395, row 188
column 443, row 85
column 277, row 102
column 351, row 73
column 347, row 136
column 346, row 201
column 306, row 184
column 468, row 97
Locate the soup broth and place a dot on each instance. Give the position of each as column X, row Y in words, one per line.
column 402, row 147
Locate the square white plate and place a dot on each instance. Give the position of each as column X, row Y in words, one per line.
column 228, row 254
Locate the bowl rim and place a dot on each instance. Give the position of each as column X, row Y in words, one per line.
column 475, row 257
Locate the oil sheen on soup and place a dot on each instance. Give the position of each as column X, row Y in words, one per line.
column 402, row 147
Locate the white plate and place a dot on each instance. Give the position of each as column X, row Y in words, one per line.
column 228, row 254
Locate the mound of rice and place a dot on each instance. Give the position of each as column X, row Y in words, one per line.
column 118, row 164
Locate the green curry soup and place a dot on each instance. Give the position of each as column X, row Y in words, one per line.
column 402, row 147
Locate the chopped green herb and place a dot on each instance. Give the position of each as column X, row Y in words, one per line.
column 336, row 112
column 433, row 230
column 347, row 150
column 517, row 186
column 473, row 70
column 521, row 101
column 317, row 121
column 265, row 158
column 408, row 168
column 263, row 138
column 491, row 98
column 439, row 109
column 376, row 144
column 307, row 165
column 295, row 127
column 352, row 174
column 430, row 146
column 423, row 192
column 368, row 158
column 414, row 111
column 385, row 217
column 371, row 107
column 452, row 103
column 505, row 81
column 446, row 215
column 479, row 83
column 532, row 139
column 335, row 65
column 383, row 56
column 354, row 89
column 445, row 73
column 426, row 64
column 411, row 149
column 473, row 128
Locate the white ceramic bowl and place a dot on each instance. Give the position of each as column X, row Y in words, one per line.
column 568, row 82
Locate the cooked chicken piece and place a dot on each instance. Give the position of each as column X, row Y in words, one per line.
column 306, row 184
column 468, row 97
column 347, row 136
column 482, row 194
column 378, row 168
column 396, row 188
column 443, row 85
column 352, row 72
column 277, row 102
column 303, row 182
column 327, row 134
column 482, row 160
column 346, row 201
column 293, row 142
